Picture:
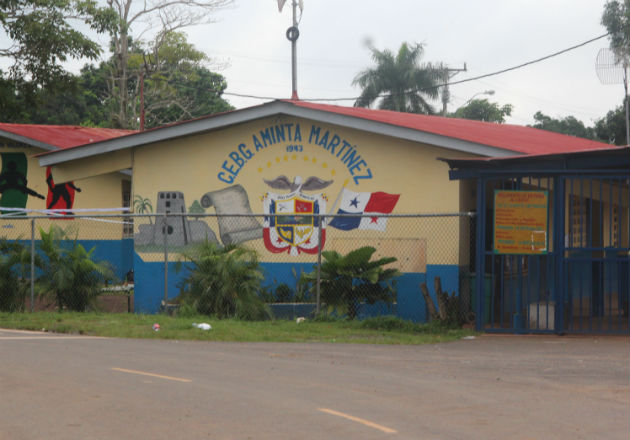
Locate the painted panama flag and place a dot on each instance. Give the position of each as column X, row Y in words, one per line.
column 291, row 225
column 368, row 205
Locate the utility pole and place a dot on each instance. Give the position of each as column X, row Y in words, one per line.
column 626, row 105
column 293, row 34
column 446, row 94
column 142, row 101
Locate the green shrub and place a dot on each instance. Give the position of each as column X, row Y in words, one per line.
column 348, row 280
column 70, row 275
column 223, row 281
column 15, row 261
column 283, row 293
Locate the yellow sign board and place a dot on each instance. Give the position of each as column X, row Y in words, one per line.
column 521, row 222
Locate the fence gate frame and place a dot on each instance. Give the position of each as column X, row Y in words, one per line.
column 581, row 285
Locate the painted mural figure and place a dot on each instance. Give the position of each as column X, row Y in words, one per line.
column 60, row 191
column 13, row 179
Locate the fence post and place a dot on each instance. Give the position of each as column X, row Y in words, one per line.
column 319, row 262
column 32, row 265
column 165, row 233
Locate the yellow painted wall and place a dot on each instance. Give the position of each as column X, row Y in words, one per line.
column 89, row 167
column 238, row 155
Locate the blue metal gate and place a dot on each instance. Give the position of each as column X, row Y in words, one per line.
column 595, row 264
column 581, row 284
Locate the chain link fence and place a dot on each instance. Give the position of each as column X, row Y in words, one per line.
column 416, row 267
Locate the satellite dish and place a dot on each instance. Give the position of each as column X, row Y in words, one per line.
column 610, row 68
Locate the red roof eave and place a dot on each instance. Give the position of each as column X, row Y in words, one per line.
column 62, row 136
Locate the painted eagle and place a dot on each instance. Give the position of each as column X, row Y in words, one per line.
column 310, row 184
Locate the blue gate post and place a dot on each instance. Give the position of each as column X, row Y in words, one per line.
column 517, row 319
column 559, row 284
column 480, row 252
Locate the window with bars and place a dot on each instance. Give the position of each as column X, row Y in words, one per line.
column 615, row 226
column 126, row 203
column 577, row 219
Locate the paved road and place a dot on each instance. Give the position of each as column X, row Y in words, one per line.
column 493, row 387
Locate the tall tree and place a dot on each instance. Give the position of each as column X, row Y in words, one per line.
column 400, row 81
column 567, row 125
column 159, row 18
column 612, row 127
column 616, row 19
column 177, row 84
column 42, row 34
column 484, row 110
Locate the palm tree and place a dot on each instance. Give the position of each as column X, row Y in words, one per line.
column 143, row 206
column 403, row 83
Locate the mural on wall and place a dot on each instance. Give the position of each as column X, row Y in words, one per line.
column 181, row 231
column 233, row 200
column 294, row 228
column 370, row 207
column 60, row 196
column 13, row 183
column 173, row 231
column 289, row 223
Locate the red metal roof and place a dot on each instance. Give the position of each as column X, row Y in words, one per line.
column 520, row 139
column 62, row 136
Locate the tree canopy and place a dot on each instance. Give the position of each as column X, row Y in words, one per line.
column 160, row 18
column 400, row 82
column 178, row 86
column 484, row 110
column 567, row 125
column 616, row 20
column 42, row 34
column 612, row 127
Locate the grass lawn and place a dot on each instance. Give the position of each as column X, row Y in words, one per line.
column 383, row 330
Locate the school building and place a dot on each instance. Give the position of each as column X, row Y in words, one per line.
column 294, row 157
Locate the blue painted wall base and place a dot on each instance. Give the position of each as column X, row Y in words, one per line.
column 149, row 288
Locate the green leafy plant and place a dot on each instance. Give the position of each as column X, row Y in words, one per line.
column 70, row 274
column 348, row 280
column 15, row 261
column 301, row 287
column 223, row 281
column 283, row 293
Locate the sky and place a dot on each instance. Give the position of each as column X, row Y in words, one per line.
column 249, row 45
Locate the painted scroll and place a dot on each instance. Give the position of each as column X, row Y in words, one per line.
column 233, row 200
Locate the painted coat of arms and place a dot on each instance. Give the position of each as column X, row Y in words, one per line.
column 292, row 223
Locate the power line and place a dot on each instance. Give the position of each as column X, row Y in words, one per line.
column 446, row 84
column 242, row 95
column 531, row 62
